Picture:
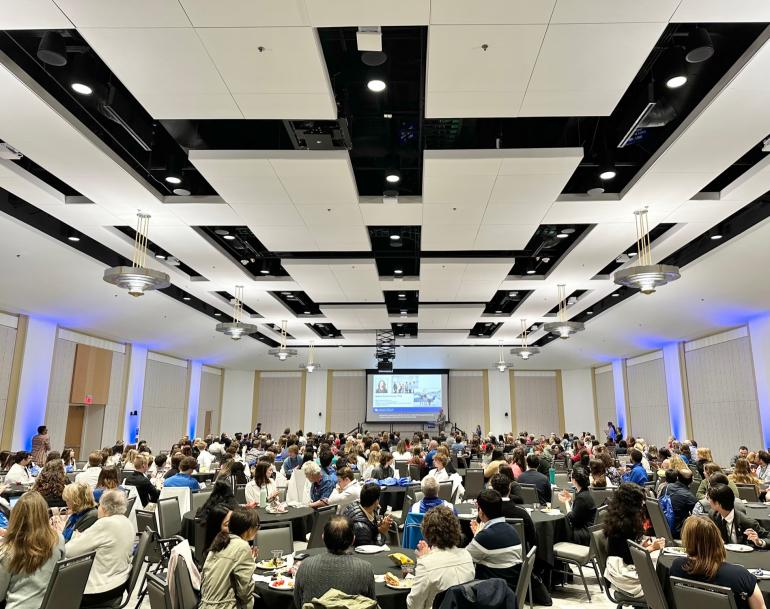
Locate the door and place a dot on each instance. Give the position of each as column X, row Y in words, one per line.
column 206, row 423
column 73, row 435
column 93, row 426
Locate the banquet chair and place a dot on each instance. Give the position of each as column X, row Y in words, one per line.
column 68, row 580
column 199, row 542
column 158, row 592
column 580, row 556
column 474, row 483
column 659, row 522
column 523, row 585
column 445, row 490
column 601, row 495
column 688, row 593
column 414, row 472
column 648, row 578
column 198, row 499
column 528, row 494
column 748, row 492
column 274, row 536
column 599, row 548
column 322, row 516
column 601, row 514
column 169, row 519
column 561, row 479
column 412, row 531
column 185, row 596
column 130, row 506
column 181, row 493
column 240, row 494
column 518, row 524
column 402, row 467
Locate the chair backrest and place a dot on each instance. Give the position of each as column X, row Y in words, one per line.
column 184, row 593
column 158, row 593
column 169, row 519
column 130, row 506
column 748, row 492
column 445, row 490
column 474, row 483
column 182, row 493
column 322, row 516
column 282, row 494
column 198, row 499
column 412, row 530
column 688, row 593
column 601, row 495
column 274, row 536
column 659, row 522
column 518, row 524
column 601, row 514
column 648, row 578
column 68, row 580
column 240, row 493
column 199, row 549
column 414, row 471
column 528, row 493
column 524, row 577
column 143, row 549
column 561, row 479
column 599, row 546
column 402, row 467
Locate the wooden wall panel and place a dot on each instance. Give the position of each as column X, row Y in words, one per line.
column 280, row 394
column 210, row 399
column 348, row 405
column 91, row 376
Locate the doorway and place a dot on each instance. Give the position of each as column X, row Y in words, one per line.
column 73, row 435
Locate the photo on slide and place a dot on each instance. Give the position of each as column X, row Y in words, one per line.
column 405, row 397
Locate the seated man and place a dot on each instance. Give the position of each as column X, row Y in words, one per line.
column 292, row 461
column 430, row 499
column 637, row 473
column 90, row 475
column 734, row 526
column 334, row 569
column 534, row 477
column 322, row 484
column 501, row 483
column 368, row 527
column 184, row 477
column 496, row 547
column 347, row 491
column 682, row 499
column 138, row 478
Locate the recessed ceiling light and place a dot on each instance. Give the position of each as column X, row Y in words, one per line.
column 387, row 115
column 182, row 192
column 307, row 312
column 530, row 272
column 498, row 311
column 395, row 237
column 402, row 295
column 398, row 272
column 595, row 191
column 701, row 48
column 160, row 256
column 376, row 85
column 81, row 88
column 676, row 81
column 615, row 294
column 73, row 238
column 173, row 179
column 716, row 237
column 608, row 174
column 392, row 178
column 562, row 236
column 286, row 293
column 229, row 237
column 185, row 298
column 631, row 254
column 264, row 271
column 589, row 312
column 217, row 314
column 244, row 262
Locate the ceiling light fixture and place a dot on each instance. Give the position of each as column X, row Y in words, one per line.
column 677, row 71
column 311, row 364
column 645, row 276
column 395, row 237
column 562, row 236
column 716, row 237
column 185, row 298
column 228, row 237
column 500, row 363
column 137, row 278
column 525, row 351
column 73, row 238
column 282, row 352
column 376, row 85
column 392, row 177
column 607, row 173
column 265, row 270
column 563, row 328
column 398, row 272
column 531, row 272
column 160, row 256
column 52, row 49
column 387, row 115
column 700, row 47
column 236, row 329
column 79, row 78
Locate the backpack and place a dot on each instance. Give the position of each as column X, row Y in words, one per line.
column 667, row 508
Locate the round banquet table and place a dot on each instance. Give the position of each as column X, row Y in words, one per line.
column 757, row 559
column 301, row 519
column 387, row 598
column 550, row 529
column 392, row 496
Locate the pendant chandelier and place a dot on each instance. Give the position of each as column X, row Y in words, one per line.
column 236, row 329
column 644, row 275
column 563, row 328
column 311, row 364
column 282, row 352
column 137, row 278
column 500, row 364
column 525, row 351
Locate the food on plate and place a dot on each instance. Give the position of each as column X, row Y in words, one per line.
column 271, row 563
column 285, row 583
column 400, row 559
column 392, row 580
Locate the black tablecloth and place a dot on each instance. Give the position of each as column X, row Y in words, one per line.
column 392, row 496
column 549, row 529
column 751, row 560
column 386, row 597
column 760, row 514
column 301, row 521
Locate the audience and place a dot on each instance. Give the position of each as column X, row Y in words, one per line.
column 535, row 478
column 335, row 568
column 292, row 461
column 368, row 527
column 496, row 547
column 322, row 484
column 144, row 487
column 682, row 499
column 50, row 483
column 733, row 525
column 19, row 472
column 742, row 474
column 107, row 481
column 262, row 490
column 347, row 491
column 90, row 475
column 385, row 469
column 112, row 538
column 706, row 562
column 227, row 573
column 441, row 563
column 494, row 465
column 184, row 477
column 637, row 474
column 429, row 487
column 28, row 554
column 81, row 508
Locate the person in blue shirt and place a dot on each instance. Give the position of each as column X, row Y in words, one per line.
column 184, row 477
column 322, row 484
column 325, row 461
column 637, row 474
column 431, row 453
column 292, row 461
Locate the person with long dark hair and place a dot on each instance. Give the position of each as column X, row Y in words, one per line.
column 581, row 508
column 262, row 489
column 226, row 577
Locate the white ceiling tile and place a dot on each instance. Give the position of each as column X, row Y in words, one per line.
column 245, row 13
column 455, row 317
column 359, row 281
column 249, row 189
column 491, row 11
column 346, row 317
column 526, row 161
column 721, row 11
column 32, row 15
column 515, row 213
column 462, row 189
column 477, row 291
column 614, row 11
column 334, row 215
column 585, row 212
column 703, row 211
column 84, row 215
column 479, row 270
column 167, row 69
column 445, row 237
column 527, row 188
column 121, row 14
column 585, row 68
column 286, row 238
column 381, row 214
column 353, row 13
column 286, row 80
column 269, row 215
column 317, row 280
column 457, row 63
column 448, row 163
column 317, row 177
column 203, row 214
column 468, row 214
column 438, row 291
column 503, row 237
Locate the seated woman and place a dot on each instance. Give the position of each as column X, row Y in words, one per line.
column 81, row 507
column 368, row 527
column 29, row 553
column 441, row 563
column 226, row 576
column 494, row 465
column 624, row 522
column 385, row 469
column 262, row 489
column 581, row 509
column 372, row 463
column 742, row 474
column 107, row 481
column 670, row 476
column 706, row 562
column 112, row 538
column 68, row 457
column 50, row 483
column 430, row 499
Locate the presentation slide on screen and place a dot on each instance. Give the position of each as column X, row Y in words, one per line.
column 405, row 397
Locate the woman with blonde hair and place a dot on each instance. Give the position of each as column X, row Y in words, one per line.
column 703, row 456
column 706, row 562
column 81, row 507
column 371, row 464
column 742, row 474
column 28, row 554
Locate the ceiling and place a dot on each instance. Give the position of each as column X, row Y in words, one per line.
column 494, row 156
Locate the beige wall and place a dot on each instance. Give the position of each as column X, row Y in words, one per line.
column 164, row 408
column 648, row 400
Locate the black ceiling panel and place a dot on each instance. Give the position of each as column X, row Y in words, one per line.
column 403, row 329
column 576, row 294
column 656, row 233
column 229, row 298
column 393, row 254
column 399, row 301
column 484, row 329
column 505, row 302
column 297, row 302
column 325, row 330
column 158, row 252
column 243, row 247
column 546, row 248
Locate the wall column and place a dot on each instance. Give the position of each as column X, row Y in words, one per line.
column 759, row 338
column 621, row 395
column 676, row 391
column 315, row 410
column 137, row 366
column 194, row 370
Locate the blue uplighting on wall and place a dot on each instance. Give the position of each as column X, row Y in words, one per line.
column 135, row 393
column 620, row 395
column 194, row 398
column 674, row 390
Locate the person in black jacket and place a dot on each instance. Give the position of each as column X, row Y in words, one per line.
column 734, row 526
column 368, row 527
column 682, row 500
column 534, row 477
column 144, row 488
column 385, row 470
column 582, row 509
column 510, row 509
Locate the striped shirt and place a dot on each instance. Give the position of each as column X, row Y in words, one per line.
column 496, row 551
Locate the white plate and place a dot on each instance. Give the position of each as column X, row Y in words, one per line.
column 288, row 584
column 738, row 547
column 370, row 549
column 392, row 587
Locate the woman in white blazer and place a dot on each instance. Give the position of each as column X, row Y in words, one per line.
column 112, row 537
